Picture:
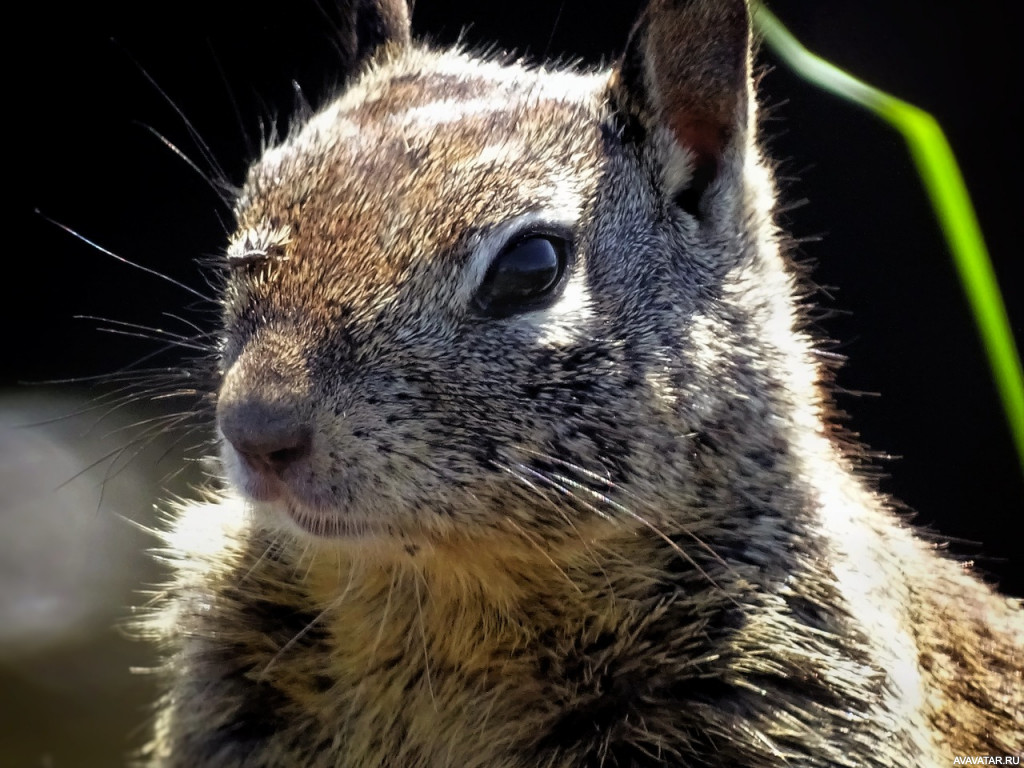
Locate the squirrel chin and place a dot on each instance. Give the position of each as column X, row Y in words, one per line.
column 314, row 523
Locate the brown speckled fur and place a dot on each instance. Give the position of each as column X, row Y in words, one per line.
column 615, row 530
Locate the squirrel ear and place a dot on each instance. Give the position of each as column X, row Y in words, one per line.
column 687, row 69
column 366, row 25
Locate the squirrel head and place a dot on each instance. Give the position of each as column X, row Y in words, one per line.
column 472, row 296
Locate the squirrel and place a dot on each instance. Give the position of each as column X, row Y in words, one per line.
column 530, row 457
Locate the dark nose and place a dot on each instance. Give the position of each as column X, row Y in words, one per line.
column 269, row 436
column 264, row 406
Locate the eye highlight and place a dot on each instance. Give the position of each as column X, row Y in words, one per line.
column 526, row 275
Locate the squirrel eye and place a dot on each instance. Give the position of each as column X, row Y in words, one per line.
column 524, row 276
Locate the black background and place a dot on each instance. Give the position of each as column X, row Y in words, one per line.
column 78, row 100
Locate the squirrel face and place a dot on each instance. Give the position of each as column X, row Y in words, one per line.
column 468, row 296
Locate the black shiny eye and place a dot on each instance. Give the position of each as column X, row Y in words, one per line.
column 524, row 276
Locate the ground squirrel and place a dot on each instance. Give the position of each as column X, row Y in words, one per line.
column 530, row 456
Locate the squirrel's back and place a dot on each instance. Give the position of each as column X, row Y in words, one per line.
column 530, row 457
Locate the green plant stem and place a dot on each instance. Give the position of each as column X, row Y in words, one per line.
column 945, row 186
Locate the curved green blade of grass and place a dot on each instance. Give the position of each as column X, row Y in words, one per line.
column 945, row 186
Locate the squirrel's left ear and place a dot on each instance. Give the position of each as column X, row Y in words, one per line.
column 366, row 25
column 687, row 69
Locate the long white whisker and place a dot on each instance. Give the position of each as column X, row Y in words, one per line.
column 626, row 492
column 122, row 259
column 218, row 189
column 539, row 492
column 332, row 605
column 204, row 148
column 541, row 549
column 417, row 578
column 572, row 489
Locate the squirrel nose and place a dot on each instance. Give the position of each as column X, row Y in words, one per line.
column 263, row 407
column 269, row 436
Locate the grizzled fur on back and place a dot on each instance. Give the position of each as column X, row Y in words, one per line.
column 602, row 521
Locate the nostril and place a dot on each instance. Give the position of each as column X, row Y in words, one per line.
column 284, row 457
column 272, row 451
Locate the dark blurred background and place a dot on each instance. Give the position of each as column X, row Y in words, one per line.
column 82, row 154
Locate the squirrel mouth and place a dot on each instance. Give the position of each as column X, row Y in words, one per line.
column 281, row 501
column 302, row 509
column 329, row 524
column 320, row 521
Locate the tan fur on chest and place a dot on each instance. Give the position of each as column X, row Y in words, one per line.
column 432, row 657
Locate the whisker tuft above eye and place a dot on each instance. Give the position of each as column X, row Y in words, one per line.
column 259, row 245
